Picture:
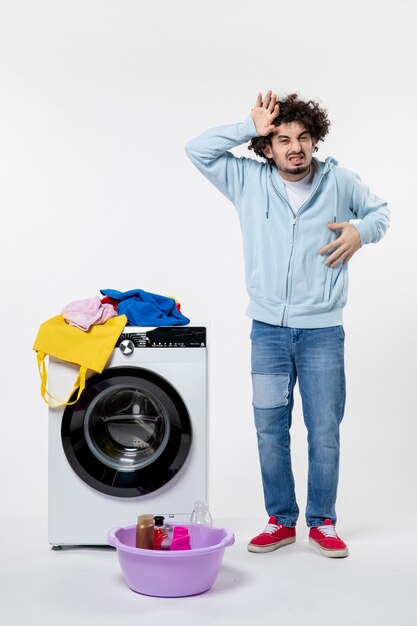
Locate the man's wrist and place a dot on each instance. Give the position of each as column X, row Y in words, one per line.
column 249, row 127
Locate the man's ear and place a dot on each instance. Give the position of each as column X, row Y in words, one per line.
column 267, row 151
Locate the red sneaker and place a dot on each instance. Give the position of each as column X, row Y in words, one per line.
column 325, row 538
column 274, row 536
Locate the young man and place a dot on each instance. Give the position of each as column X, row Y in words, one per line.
column 294, row 212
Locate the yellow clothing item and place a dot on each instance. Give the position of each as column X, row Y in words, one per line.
column 90, row 350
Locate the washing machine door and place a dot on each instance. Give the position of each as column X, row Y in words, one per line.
column 128, row 434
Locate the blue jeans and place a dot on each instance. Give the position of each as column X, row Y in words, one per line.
column 316, row 357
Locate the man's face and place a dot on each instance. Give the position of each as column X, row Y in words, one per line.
column 292, row 149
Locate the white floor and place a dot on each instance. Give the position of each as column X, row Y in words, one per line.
column 375, row 586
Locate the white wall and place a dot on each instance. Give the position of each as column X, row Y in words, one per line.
column 98, row 98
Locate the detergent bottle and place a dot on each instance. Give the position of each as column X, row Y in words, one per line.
column 201, row 514
column 159, row 533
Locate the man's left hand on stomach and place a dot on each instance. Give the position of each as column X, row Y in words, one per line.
column 342, row 249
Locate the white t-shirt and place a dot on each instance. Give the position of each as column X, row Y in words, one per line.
column 299, row 191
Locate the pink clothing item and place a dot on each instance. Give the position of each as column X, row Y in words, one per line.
column 85, row 313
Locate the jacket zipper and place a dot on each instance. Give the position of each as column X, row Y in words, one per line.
column 294, row 220
column 293, row 235
column 288, row 270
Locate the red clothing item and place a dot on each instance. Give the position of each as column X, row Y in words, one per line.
column 108, row 300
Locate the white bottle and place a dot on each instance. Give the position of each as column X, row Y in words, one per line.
column 201, row 514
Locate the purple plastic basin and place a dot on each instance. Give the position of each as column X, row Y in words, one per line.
column 169, row 574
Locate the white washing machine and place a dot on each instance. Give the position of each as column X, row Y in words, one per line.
column 136, row 440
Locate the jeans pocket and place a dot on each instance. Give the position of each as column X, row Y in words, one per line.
column 270, row 390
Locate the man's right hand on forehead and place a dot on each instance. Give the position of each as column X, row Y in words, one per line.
column 264, row 112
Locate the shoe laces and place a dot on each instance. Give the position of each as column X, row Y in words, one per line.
column 328, row 531
column 272, row 528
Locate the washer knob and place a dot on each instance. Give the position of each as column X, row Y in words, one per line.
column 127, row 347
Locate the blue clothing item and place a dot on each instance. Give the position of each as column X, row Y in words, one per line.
column 316, row 357
column 287, row 281
column 146, row 309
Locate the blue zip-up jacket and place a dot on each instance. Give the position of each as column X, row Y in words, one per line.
column 286, row 278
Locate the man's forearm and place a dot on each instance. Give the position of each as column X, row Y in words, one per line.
column 212, row 144
column 373, row 212
column 210, row 154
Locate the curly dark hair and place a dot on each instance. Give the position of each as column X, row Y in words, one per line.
column 292, row 109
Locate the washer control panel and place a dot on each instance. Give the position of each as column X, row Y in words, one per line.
column 163, row 337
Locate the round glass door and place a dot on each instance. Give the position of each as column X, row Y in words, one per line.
column 128, row 434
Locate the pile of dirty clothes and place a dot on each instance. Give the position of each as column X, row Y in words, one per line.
column 59, row 337
column 141, row 308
